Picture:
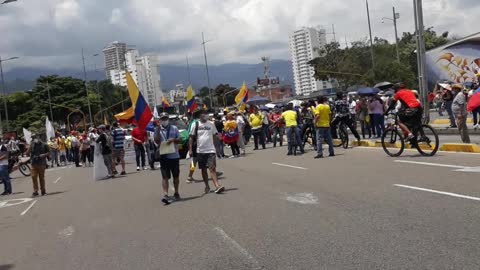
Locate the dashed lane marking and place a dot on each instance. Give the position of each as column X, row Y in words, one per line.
column 28, row 208
column 288, row 166
column 440, row 192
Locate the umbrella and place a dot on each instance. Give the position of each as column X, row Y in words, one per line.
column 270, row 105
column 258, row 100
column 296, row 103
column 383, row 85
column 368, row 91
column 264, row 108
column 389, row 93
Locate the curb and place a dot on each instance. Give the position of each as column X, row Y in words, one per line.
column 447, row 121
column 447, row 147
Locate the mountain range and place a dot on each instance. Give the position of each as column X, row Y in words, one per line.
column 21, row 79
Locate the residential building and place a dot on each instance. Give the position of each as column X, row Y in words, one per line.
column 304, row 46
column 114, row 55
column 178, row 94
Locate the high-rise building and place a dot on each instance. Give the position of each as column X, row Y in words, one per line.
column 114, row 57
column 304, row 45
column 144, row 71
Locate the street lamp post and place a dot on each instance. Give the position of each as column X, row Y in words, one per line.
column 396, row 16
column 371, row 39
column 422, row 79
column 86, row 88
column 4, row 90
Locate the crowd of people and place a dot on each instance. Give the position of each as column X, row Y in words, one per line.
column 314, row 122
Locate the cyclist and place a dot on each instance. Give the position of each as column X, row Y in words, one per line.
column 290, row 117
column 308, row 112
column 342, row 115
column 410, row 113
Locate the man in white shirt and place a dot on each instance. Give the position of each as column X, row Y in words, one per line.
column 241, row 129
column 206, row 134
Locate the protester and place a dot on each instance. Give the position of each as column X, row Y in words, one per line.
column 68, row 148
column 307, row 121
column 278, row 127
column 4, row 174
column 169, row 162
column 342, row 115
column 290, row 117
column 364, row 117
column 62, row 150
column 38, row 156
column 230, row 134
column 151, row 146
column 256, row 121
column 322, row 123
column 219, row 125
column 75, row 149
column 139, row 137
column 53, row 146
column 266, row 125
column 85, row 150
column 448, row 97
column 193, row 125
column 241, row 129
column 105, row 141
column 377, row 109
column 118, row 151
column 205, row 135
column 353, row 111
column 93, row 136
column 459, row 109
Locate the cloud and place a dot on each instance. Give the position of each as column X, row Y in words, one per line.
column 51, row 33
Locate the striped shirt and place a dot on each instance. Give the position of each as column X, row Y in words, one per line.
column 118, row 138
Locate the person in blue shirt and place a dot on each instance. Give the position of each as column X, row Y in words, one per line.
column 169, row 163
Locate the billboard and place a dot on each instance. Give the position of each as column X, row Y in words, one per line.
column 456, row 62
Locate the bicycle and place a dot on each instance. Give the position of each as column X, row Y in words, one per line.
column 393, row 140
column 15, row 162
column 343, row 136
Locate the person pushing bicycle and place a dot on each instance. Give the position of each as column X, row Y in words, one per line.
column 410, row 113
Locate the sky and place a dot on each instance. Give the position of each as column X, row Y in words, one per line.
column 51, row 33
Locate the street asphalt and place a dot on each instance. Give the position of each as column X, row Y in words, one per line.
column 358, row 210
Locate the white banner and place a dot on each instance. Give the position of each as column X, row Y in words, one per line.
column 28, row 136
column 49, row 128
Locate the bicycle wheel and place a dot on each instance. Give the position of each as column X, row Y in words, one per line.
column 344, row 137
column 392, row 142
column 427, row 144
column 24, row 169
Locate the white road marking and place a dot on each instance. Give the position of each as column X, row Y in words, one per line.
column 67, row 232
column 289, row 166
column 431, row 164
column 440, row 192
column 28, row 208
column 303, row 198
column 58, row 179
column 14, row 202
column 253, row 262
column 414, row 150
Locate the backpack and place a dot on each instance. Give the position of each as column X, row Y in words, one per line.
column 108, row 140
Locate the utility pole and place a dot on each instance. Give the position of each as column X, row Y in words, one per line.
column 86, row 88
column 395, row 17
column 188, row 72
column 422, row 79
column 208, row 74
column 371, row 39
column 4, row 95
column 333, row 32
column 50, row 102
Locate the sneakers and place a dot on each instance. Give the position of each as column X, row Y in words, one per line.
column 138, row 169
column 219, row 189
column 331, row 155
column 189, row 180
column 145, row 168
column 318, row 156
column 123, row 173
column 176, row 196
column 219, row 174
column 166, row 200
column 44, row 193
column 207, row 190
column 475, row 127
column 5, row 193
column 35, row 194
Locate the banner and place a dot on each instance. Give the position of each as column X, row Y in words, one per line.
column 49, row 128
column 28, row 135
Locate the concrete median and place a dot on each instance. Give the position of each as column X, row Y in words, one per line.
column 447, row 147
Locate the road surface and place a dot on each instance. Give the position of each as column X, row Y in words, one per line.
column 358, row 210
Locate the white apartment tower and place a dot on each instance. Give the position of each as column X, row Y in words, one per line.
column 114, row 57
column 304, row 45
column 144, row 71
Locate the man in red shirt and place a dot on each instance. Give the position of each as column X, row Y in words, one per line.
column 139, row 137
column 410, row 114
column 278, row 127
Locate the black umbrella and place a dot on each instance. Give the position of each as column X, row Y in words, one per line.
column 368, row 91
column 383, row 85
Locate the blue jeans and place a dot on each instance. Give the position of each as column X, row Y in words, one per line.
column 379, row 124
column 4, row 175
column 298, row 139
column 324, row 134
column 139, row 154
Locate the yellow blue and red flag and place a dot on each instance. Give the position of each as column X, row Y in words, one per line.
column 142, row 112
column 191, row 103
column 242, row 97
column 165, row 103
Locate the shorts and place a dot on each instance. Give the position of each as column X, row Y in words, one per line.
column 169, row 168
column 118, row 154
column 414, row 119
column 207, row 161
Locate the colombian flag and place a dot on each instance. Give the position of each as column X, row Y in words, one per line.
column 143, row 114
column 165, row 103
column 242, row 97
column 191, row 103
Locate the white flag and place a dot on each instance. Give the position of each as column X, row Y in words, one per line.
column 155, row 113
column 49, row 128
column 28, row 136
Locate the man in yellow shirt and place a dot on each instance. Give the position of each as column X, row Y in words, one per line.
column 322, row 125
column 256, row 121
column 290, row 118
